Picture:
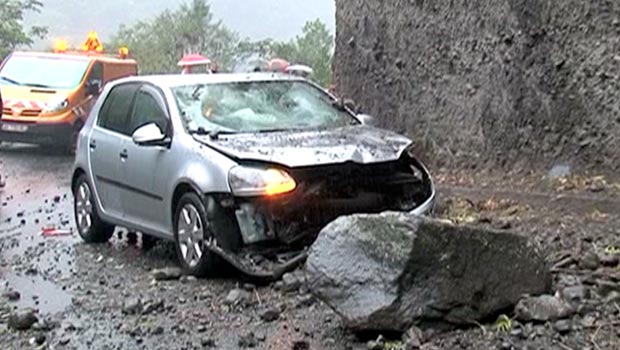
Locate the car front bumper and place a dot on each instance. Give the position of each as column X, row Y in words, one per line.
column 36, row 133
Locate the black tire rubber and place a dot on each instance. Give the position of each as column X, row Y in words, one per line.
column 99, row 232
column 216, row 223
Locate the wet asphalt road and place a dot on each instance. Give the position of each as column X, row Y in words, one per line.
column 37, row 195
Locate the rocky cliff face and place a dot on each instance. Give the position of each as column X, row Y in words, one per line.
column 514, row 83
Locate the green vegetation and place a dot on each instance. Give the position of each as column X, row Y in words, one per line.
column 13, row 34
column 160, row 42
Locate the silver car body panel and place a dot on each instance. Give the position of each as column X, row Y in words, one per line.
column 139, row 190
column 359, row 144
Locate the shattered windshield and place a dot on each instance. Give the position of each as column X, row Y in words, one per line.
column 44, row 72
column 258, row 106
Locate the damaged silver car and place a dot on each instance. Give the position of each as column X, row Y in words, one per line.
column 236, row 169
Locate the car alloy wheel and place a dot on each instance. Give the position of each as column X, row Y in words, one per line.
column 83, row 208
column 191, row 238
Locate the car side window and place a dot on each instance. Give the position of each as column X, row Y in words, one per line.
column 114, row 114
column 149, row 108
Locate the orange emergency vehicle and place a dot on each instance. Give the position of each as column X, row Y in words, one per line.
column 47, row 96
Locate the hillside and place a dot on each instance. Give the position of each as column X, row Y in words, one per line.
column 257, row 19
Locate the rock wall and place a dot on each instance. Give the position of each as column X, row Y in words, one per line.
column 513, row 83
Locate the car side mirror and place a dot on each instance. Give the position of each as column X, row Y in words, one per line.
column 93, row 87
column 366, row 119
column 150, row 135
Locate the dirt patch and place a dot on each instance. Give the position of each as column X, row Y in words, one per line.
column 515, row 84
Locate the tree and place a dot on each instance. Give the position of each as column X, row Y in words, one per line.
column 315, row 48
column 12, row 31
column 158, row 44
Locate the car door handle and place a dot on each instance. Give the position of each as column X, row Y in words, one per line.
column 124, row 154
column 92, row 144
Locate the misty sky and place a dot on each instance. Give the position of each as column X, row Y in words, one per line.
column 256, row 19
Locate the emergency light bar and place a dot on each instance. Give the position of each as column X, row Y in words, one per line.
column 92, row 45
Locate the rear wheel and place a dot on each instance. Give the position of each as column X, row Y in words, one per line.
column 89, row 225
column 198, row 224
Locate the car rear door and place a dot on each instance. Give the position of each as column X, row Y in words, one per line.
column 148, row 169
column 106, row 141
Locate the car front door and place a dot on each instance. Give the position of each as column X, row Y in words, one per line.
column 147, row 168
column 105, row 142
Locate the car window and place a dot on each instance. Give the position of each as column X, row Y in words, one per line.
column 148, row 109
column 114, row 113
column 258, row 106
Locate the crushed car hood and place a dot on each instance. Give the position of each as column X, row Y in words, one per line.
column 358, row 144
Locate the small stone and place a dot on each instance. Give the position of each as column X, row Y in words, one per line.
column 236, row 296
column 610, row 260
column 505, row 346
column 375, row 345
column 305, row 300
column 56, row 199
column 270, row 314
column 157, row 330
column 575, row 294
column 606, row 287
column 132, row 306
column 413, row 338
column 562, row 326
column 167, row 274
column 589, row 261
column 543, row 308
column 247, row 340
column 22, row 320
column 613, row 297
column 249, row 287
column 301, row 345
column 187, row 279
column 208, row 343
column 12, row 295
column 64, row 341
column 290, row 282
column 39, row 339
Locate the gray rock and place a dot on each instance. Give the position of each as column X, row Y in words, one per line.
column 604, row 288
column 413, row 338
column 575, row 294
column 301, row 345
column 389, row 271
column 590, row 261
column 247, row 340
column 612, row 297
column 559, row 171
column 290, row 282
column 563, row 326
column 22, row 320
column 208, row 343
column 132, row 306
column 543, row 308
column 167, row 274
column 610, row 260
column 12, row 295
column 236, row 297
column 270, row 314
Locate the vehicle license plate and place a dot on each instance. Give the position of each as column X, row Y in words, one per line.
column 14, row 127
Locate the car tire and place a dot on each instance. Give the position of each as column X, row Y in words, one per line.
column 196, row 221
column 89, row 225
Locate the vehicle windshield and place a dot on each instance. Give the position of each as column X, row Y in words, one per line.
column 43, row 72
column 259, row 106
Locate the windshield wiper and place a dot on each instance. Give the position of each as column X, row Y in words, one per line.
column 14, row 82
column 267, row 131
column 213, row 134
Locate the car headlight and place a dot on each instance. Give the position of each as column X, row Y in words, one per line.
column 57, row 105
column 247, row 181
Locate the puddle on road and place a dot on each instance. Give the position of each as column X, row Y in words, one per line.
column 37, row 293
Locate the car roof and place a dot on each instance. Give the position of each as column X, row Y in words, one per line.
column 173, row 80
column 75, row 56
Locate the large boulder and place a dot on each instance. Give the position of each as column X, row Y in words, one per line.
column 392, row 270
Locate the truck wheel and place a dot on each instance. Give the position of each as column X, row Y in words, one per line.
column 196, row 224
column 89, row 225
